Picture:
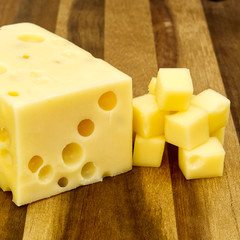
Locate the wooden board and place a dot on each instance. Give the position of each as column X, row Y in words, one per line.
column 138, row 37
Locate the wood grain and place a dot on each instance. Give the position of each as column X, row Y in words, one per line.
column 41, row 12
column 138, row 37
column 131, row 40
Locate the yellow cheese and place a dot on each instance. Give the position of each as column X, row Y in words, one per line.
column 219, row 134
column 174, row 89
column 65, row 116
column 148, row 152
column 187, row 129
column 217, row 106
column 204, row 161
column 148, row 119
column 152, row 86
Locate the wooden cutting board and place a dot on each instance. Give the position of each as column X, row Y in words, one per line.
column 138, row 37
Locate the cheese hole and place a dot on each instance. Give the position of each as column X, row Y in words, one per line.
column 26, row 56
column 5, row 156
column 196, row 161
column 86, row 127
column 4, row 136
column 31, row 38
column 13, row 94
column 2, row 69
column 46, row 173
column 72, row 154
column 108, row 101
column 88, row 170
column 35, row 163
column 63, row 182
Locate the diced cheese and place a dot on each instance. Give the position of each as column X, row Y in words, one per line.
column 65, row 116
column 217, row 106
column 204, row 161
column 148, row 120
column 219, row 134
column 152, row 86
column 174, row 89
column 187, row 129
column 148, row 152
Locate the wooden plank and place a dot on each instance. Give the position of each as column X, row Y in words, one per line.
column 129, row 45
column 225, row 36
column 130, row 41
column 8, row 9
column 85, row 27
column 41, row 12
column 200, row 205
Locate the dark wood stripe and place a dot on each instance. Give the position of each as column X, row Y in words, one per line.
column 12, row 218
column 224, row 26
column 165, row 40
column 41, row 12
column 86, row 26
column 191, row 212
column 8, row 10
column 105, row 211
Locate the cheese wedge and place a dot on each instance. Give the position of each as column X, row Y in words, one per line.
column 65, row 116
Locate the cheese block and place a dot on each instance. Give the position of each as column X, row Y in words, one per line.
column 204, row 161
column 148, row 119
column 217, row 106
column 174, row 89
column 65, row 116
column 219, row 134
column 187, row 129
column 148, row 152
column 152, row 86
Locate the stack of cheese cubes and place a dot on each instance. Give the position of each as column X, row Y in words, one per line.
column 194, row 123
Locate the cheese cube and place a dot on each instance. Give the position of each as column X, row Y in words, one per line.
column 148, row 120
column 204, row 161
column 148, row 152
column 219, row 134
column 65, row 116
column 217, row 106
column 187, row 129
column 174, row 89
column 152, row 86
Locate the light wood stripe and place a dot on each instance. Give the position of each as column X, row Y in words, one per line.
column 129, row 45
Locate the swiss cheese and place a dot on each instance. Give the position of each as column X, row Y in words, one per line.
column 65, row 116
